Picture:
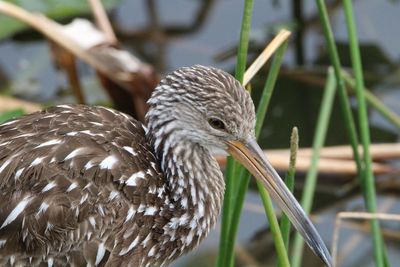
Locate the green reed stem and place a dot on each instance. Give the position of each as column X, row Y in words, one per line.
column 344, row 101
column 244, row 176
column 349, row 121
column 269, row 87
column 311, row 178
column 373, row 101
column 368, row 178
column 274, row 226
column 244, row 41
column 289, row 181
column 224, row 255
column 279, row 243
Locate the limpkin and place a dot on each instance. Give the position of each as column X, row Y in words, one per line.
column 91, row 186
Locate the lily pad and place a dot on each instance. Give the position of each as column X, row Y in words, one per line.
column 55, row 9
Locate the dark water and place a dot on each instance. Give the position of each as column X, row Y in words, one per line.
column 26, row 70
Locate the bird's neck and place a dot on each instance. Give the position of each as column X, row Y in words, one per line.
column 194, row 180
column 193, row 175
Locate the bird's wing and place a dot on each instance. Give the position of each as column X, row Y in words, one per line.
column 60, row 169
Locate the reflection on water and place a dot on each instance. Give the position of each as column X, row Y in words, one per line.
column 175, row 33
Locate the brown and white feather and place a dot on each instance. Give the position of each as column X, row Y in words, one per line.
column 92, row 186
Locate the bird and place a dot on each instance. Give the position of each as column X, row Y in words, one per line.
column 91, row 186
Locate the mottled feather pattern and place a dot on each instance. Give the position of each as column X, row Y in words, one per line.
column 92, row 186
column 203, row 89
column 63, row 164
column 64, row 170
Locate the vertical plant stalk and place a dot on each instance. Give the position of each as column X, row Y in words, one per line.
column 244, row 41
column 368, row 178
column 269, row 88
column 344, row 101
column 289, row 181
column 311, row 178
column 274, row 226
column 374, row 102
column 244, row 176
column 333, row 53
column 230, row 182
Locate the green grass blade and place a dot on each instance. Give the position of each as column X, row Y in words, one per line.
column 244, row 41
column 311, row 178
column 226, row 212
column 244, row 176
column 230, row 179
column 274, row 226
column 269, row 87
column 244, row 180
column 344, row 101
column 368, row 178
column 349, row 122
column 374, row 102
column 289, row 181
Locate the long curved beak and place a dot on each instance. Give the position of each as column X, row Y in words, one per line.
column 253, row 158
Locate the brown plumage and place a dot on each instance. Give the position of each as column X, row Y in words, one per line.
column 91, row 186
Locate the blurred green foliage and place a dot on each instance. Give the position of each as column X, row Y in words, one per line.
column 11, row 115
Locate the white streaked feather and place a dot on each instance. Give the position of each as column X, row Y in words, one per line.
column 130, row 150
column 150, row 211
column 16, row 211
column 5, row 164
column 43, row 207
column 72, row 187
column 50, row 262
column 133, row 178
column 101, row 251
column 108, row 162
column 49, row 186
column 92, row 221
column 50, row 143
column 18, row 173
column 130, row 214
column 131, row 246
column 113, row 194
column 37, row 161
column 89, row 165
column 152, row 251
column 76, row 152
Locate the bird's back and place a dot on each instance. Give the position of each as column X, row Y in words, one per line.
column 70, row 177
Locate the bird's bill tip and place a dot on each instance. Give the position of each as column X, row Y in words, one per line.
column 252, row 157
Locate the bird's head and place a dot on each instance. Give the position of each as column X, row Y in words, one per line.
column 203, row 105
column 209, row 107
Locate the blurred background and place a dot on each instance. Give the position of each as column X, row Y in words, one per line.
column 170, row 34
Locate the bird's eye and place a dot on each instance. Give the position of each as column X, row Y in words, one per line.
column 216, row 124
